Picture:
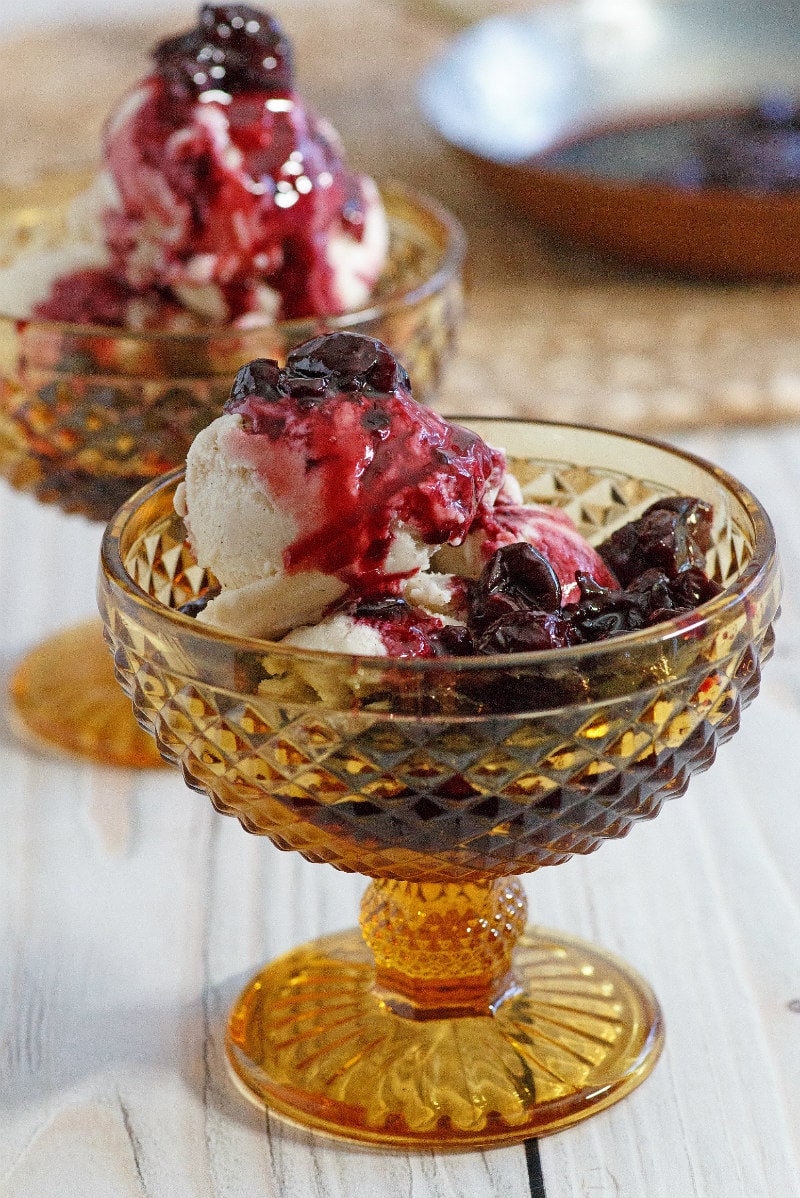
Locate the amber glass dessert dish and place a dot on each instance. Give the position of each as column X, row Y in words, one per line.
column 88, row 414
column 447, row 1022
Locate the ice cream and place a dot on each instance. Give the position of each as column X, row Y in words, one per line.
column 337, row 513
column 325, row 481
column 224, row 198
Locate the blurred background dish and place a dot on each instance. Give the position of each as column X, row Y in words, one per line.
column 626, row 127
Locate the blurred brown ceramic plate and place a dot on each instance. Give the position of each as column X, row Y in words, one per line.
column 523, row 95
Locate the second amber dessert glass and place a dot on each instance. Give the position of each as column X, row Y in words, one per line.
column 87, row 415
column 449, row 1024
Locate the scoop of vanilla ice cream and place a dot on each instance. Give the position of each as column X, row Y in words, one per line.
column 339, row 633
column 235, row 526
column 326, row 479
column 237, row 196
column 224, row 199
column 239, row 532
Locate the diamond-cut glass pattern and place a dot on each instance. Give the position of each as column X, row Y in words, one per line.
column 450, row 775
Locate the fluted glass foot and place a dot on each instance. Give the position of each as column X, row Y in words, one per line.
column 64, row 698
column 568, row 1030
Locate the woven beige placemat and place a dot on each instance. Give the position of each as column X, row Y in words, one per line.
column 549, row 332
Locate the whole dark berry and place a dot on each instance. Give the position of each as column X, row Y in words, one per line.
column 526, row 631
column 489, row 608
column 602, row 612
column 672, row 535
column 456, row 641
column 692, row 587
column 233, row 49
column 351, row 361
column 516, row 577
column 307, row 391
column 255, row 395
column 262, row 377
column 379, row 607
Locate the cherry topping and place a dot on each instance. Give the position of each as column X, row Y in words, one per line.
column 692, row 587
column 516, row 578
column 351, row 361
column 516, row 604
column 379, row 607
column 339, row 363
column 525, row 631
column 262, row 377
column 234, row 49
column 602, row 612
column 653, row 596
column 672, row 535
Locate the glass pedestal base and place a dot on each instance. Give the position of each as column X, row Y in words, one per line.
column 65, row 698
column 313, row 1038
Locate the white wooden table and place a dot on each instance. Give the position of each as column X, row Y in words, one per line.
column 131, row 913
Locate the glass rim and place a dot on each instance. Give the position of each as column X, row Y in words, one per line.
column 761, row 564
column 453, row 257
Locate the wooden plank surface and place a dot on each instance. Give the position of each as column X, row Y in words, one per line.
column 132, row 913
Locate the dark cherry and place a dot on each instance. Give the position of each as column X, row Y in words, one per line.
column 315, row 371
column 693, row 587
column 516, row 578
column 375, row 419
column 456, row 641
column 488, row 609
column 526, row 631
column 653, row 596
column 233, row 49
column 672, row 535
column 307, row 392
column 255, row 395
column 516, row 604
column 262, row 377
column 380, row 607
column 602, row 612
column 351, row 361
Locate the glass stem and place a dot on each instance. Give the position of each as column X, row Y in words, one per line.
column 443, row 949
